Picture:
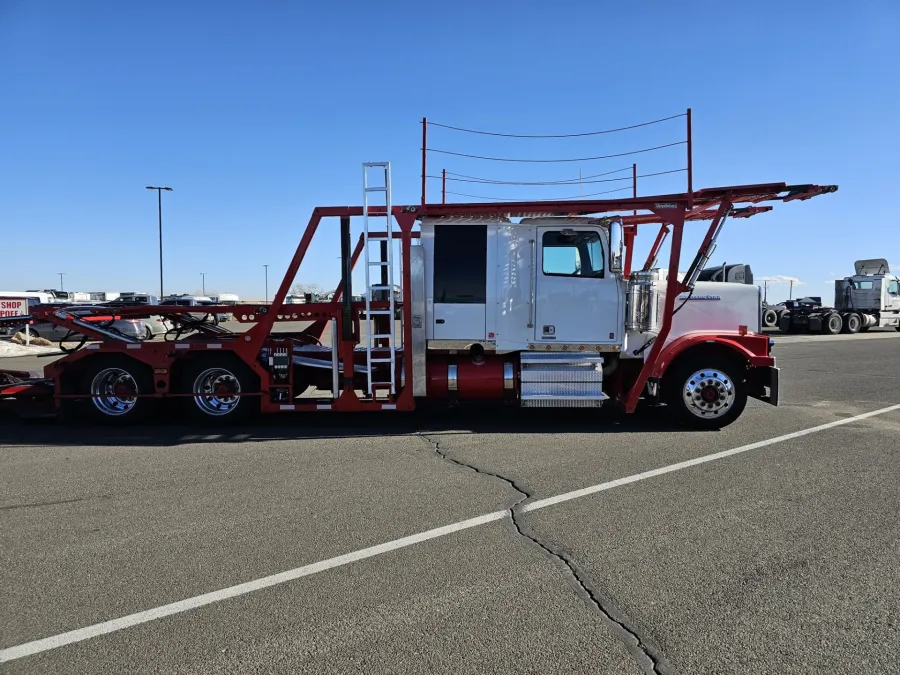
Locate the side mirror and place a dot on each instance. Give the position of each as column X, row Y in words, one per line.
column 616, row 246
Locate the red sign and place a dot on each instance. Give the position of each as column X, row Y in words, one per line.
column 13, row 306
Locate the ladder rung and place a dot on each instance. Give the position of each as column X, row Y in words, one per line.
column 380, row 287
column 382, row 360
column 376, row 189
column 381, row 336
column 379, row 263
column 380, row 312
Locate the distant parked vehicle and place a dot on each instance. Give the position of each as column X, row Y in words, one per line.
column 225, row 299
column 133, row 328
column 195, row 301
column 132, row 299
column 152, row 325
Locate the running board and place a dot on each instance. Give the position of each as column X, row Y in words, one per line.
column 561, row 380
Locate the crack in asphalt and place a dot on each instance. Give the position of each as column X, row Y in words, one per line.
column 31, row 505
column 647, row 655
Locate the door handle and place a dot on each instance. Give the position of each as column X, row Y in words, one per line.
column 533, row 266
column 439, row 321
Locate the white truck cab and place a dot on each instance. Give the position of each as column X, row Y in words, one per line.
column 555, row 284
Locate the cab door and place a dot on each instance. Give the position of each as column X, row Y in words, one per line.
column 892, row 295
column 577, row 300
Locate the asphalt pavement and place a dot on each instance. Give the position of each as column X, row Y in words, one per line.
column 778, row 558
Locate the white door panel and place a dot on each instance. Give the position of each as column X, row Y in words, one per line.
column 577, row 299
column 459, row 321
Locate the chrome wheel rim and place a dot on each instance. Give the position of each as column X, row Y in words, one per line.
column 216, row 391
column 114, row 391
column 708, row 393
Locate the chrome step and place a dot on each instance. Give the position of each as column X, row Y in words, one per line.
column 561, row 380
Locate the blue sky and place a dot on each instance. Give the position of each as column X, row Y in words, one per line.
column 257, row 112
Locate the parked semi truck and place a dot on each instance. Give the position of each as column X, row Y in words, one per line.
column 868, row 299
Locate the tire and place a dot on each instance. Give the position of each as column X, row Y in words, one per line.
column 109, row 380
column 689, row 388
column 784, row 323
column 832, row 323
column 218, row 376
column 148, row 334
column 852, row 324
column 770, row 318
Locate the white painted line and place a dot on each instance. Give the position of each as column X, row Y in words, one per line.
column 38, row 646
column 802, row 339
column 71, row 637
column 584, row 492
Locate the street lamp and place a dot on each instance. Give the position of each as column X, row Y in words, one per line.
column 203, row 276
column 267, row 283
column 159, row 196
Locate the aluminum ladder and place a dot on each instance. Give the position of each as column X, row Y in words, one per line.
column 382, row 187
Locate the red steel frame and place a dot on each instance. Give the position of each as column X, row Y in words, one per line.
column 671, row 211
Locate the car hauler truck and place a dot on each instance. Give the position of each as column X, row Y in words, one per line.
column 531, row 304
column 868, row 299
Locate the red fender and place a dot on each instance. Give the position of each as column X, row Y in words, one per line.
column 754, row 348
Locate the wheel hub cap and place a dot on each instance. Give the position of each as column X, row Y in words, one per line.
column 708, row 393
column 114, row 391
column 216, row 391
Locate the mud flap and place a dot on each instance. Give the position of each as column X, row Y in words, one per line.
column 763, row 384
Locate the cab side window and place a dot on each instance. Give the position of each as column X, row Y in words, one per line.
column 894, row 287
column 572, row 254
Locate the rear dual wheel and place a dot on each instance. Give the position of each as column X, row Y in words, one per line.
column 852, row 323
column 115, row 385
column 832, row 323
column 222, row 389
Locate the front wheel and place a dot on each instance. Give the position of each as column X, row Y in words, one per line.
column 770, row 318
column 705, row 393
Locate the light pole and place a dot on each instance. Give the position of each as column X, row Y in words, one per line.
column 203, row 277
column 159, row 198
column 267, row 282
column 61, row 280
